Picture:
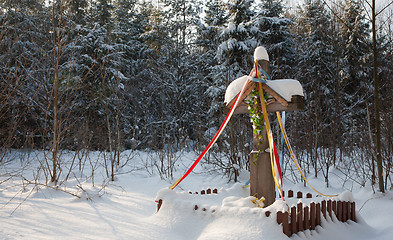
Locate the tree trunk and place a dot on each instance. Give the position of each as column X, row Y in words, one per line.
column 376, row 103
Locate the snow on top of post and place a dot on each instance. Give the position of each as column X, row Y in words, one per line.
column 286, row 88
column 234, row 88
column 260, row 53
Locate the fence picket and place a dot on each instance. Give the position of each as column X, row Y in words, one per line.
column 300, row 217
column 348, row 211
column 353, row 212
column 285, row 224
column 334, row 207
column 293, row 220
column 312, row 216
column 299, row 194
column 323, row 208
column 339, row 211
column 329, row 208
column 306, row 218
column 345, row 214
column 318, row 214
column 290, row 194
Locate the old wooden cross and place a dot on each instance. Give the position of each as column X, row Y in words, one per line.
column 261, row 179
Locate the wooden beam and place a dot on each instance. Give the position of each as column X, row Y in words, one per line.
column 275, row 95
column 250, row 86
column 296, row 103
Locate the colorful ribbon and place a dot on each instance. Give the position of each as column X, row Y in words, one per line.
column 218, row 133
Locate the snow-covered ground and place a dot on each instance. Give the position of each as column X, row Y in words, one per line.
column 126, row 208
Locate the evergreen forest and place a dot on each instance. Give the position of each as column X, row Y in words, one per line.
column 140, row 75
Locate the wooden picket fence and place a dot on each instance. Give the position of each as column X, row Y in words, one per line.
column 299, row 217
column 207, row 191
column 302, row 218
column 202, row 192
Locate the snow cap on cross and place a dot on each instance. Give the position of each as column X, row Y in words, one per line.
column 260, row 53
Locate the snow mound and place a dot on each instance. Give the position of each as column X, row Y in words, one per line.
column 286, row 88
column 346, row 196
column 224, row 215
column 218, row 216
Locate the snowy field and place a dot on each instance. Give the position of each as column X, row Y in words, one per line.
column 126, row 208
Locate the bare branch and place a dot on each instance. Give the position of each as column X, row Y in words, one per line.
column 383, row 9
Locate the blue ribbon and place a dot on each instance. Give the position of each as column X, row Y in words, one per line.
column 264, row 73
column 257, row 80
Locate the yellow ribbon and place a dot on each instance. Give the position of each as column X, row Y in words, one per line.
column 268, row 130
column 294, row 158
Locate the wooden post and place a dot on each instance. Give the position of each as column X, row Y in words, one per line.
column 299, row 195
column 353, row 212
column 334, row 207
column 290, row 194
column 285, row 224
column 312, row 215
column 261, row 178
column 293, row 220
column 282, row 218
column 339, row 211
column 267, row 213
column 324, row 208
column 318, row 214
column 300, row 217
column 159, row 204
column 279, row 217
column 306, row 218
column 329, row 208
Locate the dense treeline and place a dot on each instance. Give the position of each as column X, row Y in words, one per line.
column 128, row 74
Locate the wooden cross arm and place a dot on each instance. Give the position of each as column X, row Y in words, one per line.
column 275, row 95
column 296, row 103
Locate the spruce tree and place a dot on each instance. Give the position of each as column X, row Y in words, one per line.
column 213, row 72
column 234, row 56
column 318, row 76
column 24, row 47
column 275, row 35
